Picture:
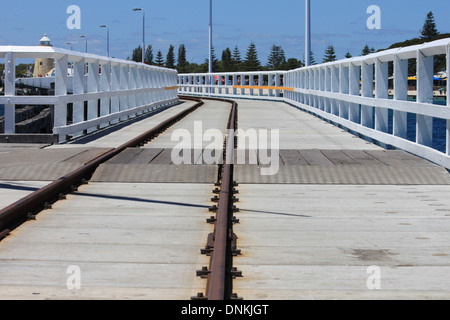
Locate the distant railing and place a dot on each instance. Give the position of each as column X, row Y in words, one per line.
column 367, row 95
column 111, row 89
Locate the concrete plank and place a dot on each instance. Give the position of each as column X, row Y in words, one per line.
column 129, row 241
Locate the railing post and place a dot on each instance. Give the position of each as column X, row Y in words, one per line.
column 448, row 100
column 344, row 89
column 261, row 83
column 425, row 72
column 334, row 79
column 131, row 86
column 367, row 91
column 93, row 74
column 312, row 79
column 105, row 86
column 354, row 88
column 381, row 92
column 322, row 88
column 60, row 110
column 139, row 84
column 124, row 75
column 115, row 86
column 277, row 83
column 79, row 68
column 10, row 91
column 400, row 93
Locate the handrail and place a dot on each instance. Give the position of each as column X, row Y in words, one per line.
column 113, row 89
column 368, row 95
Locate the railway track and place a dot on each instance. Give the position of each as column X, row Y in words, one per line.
column 221, row 243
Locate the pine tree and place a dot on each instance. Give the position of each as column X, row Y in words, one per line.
column 227, row 61
column 137, row 54
column 429, row 30
column 149, row 55
column 348, row 55
column 170, row 60
column 215, row 64
column 330, row 54
column 182, row 66
column 277, row 59
column 367, row 50
column 251, row 62
column 159, row 59
column 236, row 59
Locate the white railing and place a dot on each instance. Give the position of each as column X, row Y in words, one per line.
column 113, row 89
column 367, row 95
column 238, row 85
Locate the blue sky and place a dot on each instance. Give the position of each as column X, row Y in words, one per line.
column 236, row 23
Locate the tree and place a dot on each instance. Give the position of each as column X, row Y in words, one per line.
column 159, row 59
column 137, row 54
column 170, row 60
column 429, row 31
column 215, row 62
column 367, row 50
column 149, row 55
column 293, row 64
column 348, row 55
column 251, row 62
column 277, row 59
column 330, row 54
column 227, row 61
column 236, row 59
column 182, row 66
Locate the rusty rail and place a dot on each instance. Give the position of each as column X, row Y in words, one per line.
column 17, row 213
column 218, row 286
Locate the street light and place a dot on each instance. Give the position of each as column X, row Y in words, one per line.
column 107, row 28
column 86, row 41
column 210, row 38
column 143, row 32
column 308, row 33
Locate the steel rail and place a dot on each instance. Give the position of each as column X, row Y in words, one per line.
column 17, row 213
column 216, row 287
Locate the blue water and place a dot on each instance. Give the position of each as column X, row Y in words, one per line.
column 439, row 127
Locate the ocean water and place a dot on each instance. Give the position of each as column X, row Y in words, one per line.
column 439, row 128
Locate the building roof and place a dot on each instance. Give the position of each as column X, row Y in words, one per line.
column 45, row 40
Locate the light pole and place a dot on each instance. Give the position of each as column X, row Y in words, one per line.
column 86, row 41
column 143, row 32
column 107, row 36
column 308, row 33
column 210, row 37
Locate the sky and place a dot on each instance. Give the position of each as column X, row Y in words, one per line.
column 341, row 23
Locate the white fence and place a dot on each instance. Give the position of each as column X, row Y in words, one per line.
column 113, row 89
column 368, row 95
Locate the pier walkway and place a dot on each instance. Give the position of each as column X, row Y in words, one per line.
column 342, row 218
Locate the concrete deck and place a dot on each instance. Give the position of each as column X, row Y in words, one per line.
column 129, row 241
column 133, row 236
column 337, row 206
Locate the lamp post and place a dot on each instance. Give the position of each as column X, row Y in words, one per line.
column 143, row 32
column 107, row 28
column 86, row 42
column 210, row 38
column 308, row 33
